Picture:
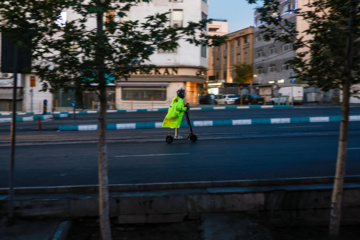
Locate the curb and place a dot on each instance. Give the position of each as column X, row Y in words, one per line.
column 160, row 109
column 151, row 187
column 210, row 123
column 35, row 118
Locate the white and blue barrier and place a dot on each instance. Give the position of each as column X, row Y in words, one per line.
column 210, row 123
column 35, row 118
column 192, row 109
column 7, row 114
column 160, row 109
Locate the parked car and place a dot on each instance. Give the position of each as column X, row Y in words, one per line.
column 251, row 99
column 207, row 99
column 227, row 98
column 279, row 100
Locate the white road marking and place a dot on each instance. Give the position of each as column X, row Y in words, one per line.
column 153, row 155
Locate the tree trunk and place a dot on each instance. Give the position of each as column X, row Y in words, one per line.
column 336, row 199
column 335, row 211
column 104, row 206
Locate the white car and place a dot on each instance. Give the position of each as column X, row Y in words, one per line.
column 227, row 98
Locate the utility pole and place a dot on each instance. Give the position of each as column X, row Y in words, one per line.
column 12, row 136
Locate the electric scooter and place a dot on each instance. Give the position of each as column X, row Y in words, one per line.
column 192, row 137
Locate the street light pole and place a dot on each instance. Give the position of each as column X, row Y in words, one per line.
column 12, row 136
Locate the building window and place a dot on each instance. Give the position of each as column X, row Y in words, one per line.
column 238, row 57
column 286, row 67
column 259, row 22
column 272, row 68
column 247, row 40
column 225, row 75
column 238, row 42
column 287, row 47
column 217, row 76
column 204, row 16
column 143, row 93
column 260, row 70
column 259, row 38
column 177, row 17
column 272, row 50
column 288, row 8
column 203, row 51
column 260, row 53
column 167, row 51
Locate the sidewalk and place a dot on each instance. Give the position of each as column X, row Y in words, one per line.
column 210, row 226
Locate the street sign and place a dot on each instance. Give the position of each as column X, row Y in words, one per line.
column 73, row 104
column 32, row 81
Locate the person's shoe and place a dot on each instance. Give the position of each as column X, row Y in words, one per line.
column 178, row 137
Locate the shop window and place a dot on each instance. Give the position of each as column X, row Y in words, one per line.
column 143, row 93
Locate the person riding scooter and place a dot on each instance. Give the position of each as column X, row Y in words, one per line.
column 175, row 113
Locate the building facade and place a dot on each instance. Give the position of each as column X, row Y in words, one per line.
column 237, row 49
column 185, row 67
column 216, row 27
column 270, row 57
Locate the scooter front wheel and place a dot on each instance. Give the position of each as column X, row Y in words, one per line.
column 169, row 139
column 193, row 138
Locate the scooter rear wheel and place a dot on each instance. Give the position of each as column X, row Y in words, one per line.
column 193, row 138
column 169, row 139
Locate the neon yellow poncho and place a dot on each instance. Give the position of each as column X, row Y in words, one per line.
column 175, row 113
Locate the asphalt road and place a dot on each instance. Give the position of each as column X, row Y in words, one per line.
column 53, row 158
column 90, row 119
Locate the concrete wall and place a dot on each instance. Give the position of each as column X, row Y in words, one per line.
column 289, row 202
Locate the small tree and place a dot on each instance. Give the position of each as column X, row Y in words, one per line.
column 327, row 57
column 243, row 72
column 90, row 57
